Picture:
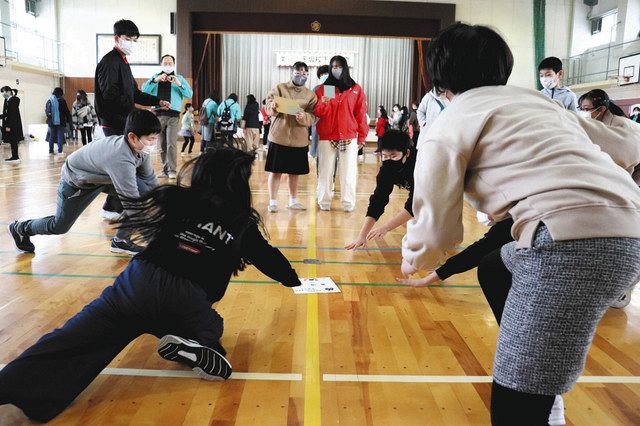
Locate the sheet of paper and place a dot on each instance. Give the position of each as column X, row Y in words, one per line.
column 316, row 285
column 287, row 106
column 330, row 91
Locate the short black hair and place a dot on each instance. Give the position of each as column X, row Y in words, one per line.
column 636, row 108
column 125, row 27
column 251, row 99
column 168, row 56
column 395, row 140
column 300, row 65
column 551, row 63
column 142, row 122
column 5, row 89
column 234, row 97
column 187, row 106
column 323, row 69
column 464, row 57
column 58, row 92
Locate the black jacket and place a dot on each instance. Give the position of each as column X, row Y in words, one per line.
column 496, row 237
column 392, row 173
column 65, row 115
column 251, row 116
column 116, row 91
column 11, row 119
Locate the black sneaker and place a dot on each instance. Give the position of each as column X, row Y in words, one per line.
column 22, row 242
column 206, row 362
column 124, row 246
column 12, row 160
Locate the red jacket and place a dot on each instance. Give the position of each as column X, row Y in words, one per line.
column 344, row 117
column 381, row 126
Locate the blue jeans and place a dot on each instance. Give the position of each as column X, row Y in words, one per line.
column 56, row 135
column 72, row 201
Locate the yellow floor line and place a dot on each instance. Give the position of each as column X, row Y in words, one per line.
column 312, row 366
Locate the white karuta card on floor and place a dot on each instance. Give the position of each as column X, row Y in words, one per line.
column 316, row 285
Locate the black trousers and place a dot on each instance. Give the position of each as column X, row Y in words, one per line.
column 85, row 133
column 508, row 406
column 188, row 140
column 112, row 203
column 49, row 375
column 14, row 150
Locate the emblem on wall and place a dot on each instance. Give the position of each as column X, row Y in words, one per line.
column 315, row 26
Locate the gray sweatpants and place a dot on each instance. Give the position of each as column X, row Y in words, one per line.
column 168, row 143
column 560, row 291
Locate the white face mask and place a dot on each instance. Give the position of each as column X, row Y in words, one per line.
column 484, row 219
column 168, row 69
column 548, row 82
column 148, row 149
column 126, row 46
column 323, row 78
column 584, row 114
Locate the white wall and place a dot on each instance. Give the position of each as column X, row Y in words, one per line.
column 33, row 90
column 80, row 20
column 513, row 19
column 558, row 17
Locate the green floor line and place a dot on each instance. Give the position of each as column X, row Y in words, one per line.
column 34, row 274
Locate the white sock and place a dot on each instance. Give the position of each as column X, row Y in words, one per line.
column 293, row 200
column 273, row 202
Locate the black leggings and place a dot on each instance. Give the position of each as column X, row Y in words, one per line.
column 85, row 132
column 188, row 140
column 508, row 406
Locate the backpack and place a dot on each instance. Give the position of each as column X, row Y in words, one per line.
column 225, row 118
column 203, row 118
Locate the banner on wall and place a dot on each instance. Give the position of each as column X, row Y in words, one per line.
column 286, row 58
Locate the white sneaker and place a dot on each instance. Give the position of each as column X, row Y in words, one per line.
column 172, row 175
column 109, row 216
column 60, row 154
column 360, row 158
column 324, row 207
column 349, row 209
column 273, row 208
column 624, row 299
column 183, row 154
column 296, row 206
column 556, row 417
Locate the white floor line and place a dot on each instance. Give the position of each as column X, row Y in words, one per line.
column 143, row 372
column 7, row 304
column 458, row 379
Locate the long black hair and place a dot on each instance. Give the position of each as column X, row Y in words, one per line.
column 599, row 98
column 404, row 117
column 383, row 112
column 213, row 185
column 345, row 82
column 83, row 97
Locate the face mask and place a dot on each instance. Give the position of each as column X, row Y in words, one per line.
column 126, row 46
column 299, row 80
column 168, row 69
column 148, row 149
column 584, row 114
column 548, row 82
column 483, row 218
column 323, row 78
column 336, row 73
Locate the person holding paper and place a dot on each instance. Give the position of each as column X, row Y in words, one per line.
column 342, row 127
column 291, row 106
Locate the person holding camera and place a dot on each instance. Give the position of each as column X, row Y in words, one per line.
column 173, row 88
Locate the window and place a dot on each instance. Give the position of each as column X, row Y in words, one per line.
column 603, row 29
column 30, row 7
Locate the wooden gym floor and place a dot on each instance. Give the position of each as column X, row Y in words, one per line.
column 377, row 353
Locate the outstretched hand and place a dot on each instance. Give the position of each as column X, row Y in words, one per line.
column 432, row 278
column 360, row 242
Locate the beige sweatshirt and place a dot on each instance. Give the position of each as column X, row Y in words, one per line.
column 513, row 152
column 285, row 129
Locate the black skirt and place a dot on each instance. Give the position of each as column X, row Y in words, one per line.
column 287, row 159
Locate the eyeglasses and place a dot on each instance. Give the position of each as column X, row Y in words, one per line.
column 587, row 109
